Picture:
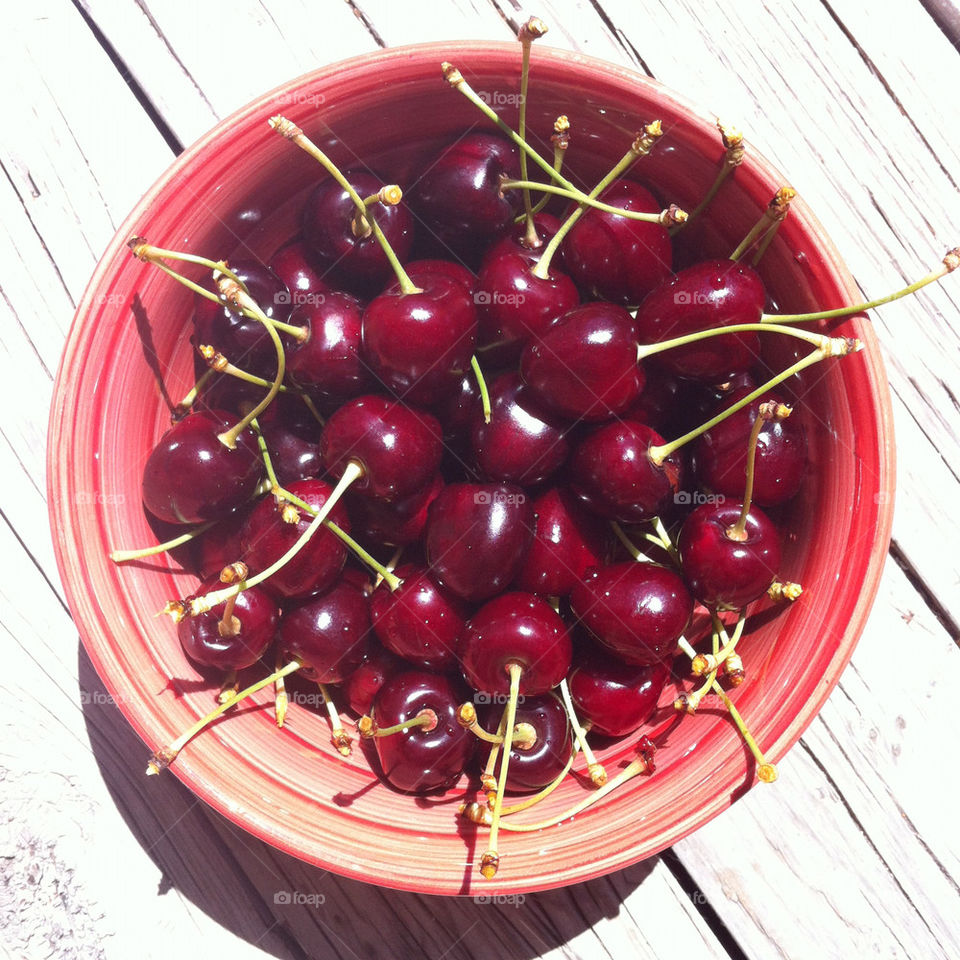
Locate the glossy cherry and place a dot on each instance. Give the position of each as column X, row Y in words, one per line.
column 190, row 476
column 300, row 273
column 422, row 759
column 638, row 611
column 612, row 472
column 377, row 666
column 613, row 258
column 397, row 522
column 477, row 536
column 292, row 435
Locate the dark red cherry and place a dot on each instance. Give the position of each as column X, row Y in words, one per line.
column 220, row 546
column 422, row 759
column 328, row 364
column 719, row 457
column 329, row 633
column 612, row 472
column 616, row 697
column 419, row 345
column 637, row 610
column 292, row 435
column 477, row 536
column 356, row 260
column 613, row 258
column 190, row 476
column 362, row 686
column 722, row 571
column 569, row 540
column 269, row 534
column 456, row 413
column 420, row 620
column 524, row 442
column 300, row 273
column 515, row 628
column 241, row 339
column 513, row 305
column 585, row 365
column 395, row 522
column 545, row 224
column 398, row 447
column 421, row 269
column 206, row 639
column 714, row 293
column 535, row 765
column 459, row 196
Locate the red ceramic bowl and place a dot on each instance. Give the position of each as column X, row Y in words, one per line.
column 239, row 189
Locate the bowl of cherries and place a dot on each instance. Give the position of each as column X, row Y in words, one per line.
column 508, row 455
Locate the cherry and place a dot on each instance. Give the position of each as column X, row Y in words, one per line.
column 292, row 439
column 221, row 545
column 585, row 365
column 709, row 294
column 637, row 610
column 612, row 472
column 363, row 684
column 327, row 364
column 329, row 633
column 568, row 541
column 395, row 522
column 617, row 698
column 421, row 269
column 515, row 628
column 459, row 197
column 398, row 448
column 615, row 258
column 234, row 639
column 191, row 476
column 427, row 757
column 477, row 536
column 353, row 255
column 523, row 443
column 420, row 620
column 298, row 270
column 274, row 527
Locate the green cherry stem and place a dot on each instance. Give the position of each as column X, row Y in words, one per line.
column 598, row 775
column 560, row 140
column 532, row 30
column 123, row 556
column 482, row 386
column 772, row 217
column 733, row 145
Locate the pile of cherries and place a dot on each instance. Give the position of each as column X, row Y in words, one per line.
column 427, row 439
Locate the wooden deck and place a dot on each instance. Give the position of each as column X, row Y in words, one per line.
column 853, row 853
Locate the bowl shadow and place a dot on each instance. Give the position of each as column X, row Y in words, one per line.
column 288, row 908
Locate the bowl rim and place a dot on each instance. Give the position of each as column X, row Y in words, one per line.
column 58, row 475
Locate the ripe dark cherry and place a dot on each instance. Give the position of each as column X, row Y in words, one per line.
column 421, row 269
column 477, row 536
column 719, row 457
column 613, row 258
column 420, row 620
column 243, row 340
column 398, row 447
column 268, row 536
column 422, row 760
column 220, row 546
column 419, row 345
column 357, row 261
column 516, row 628
column 362, row 686
column 293, row 440
column 637, row 610
column 459, row 197
column 394, row 523
column 709, row 294
column 617, row 698
column 585, row 365
column 190, row 476
column 568, row 541
column 611, row 471
column 256, row 617
column 722, row 571
column 329, row 633
column 524, row 442
column 514, row 306
column 300, row 273
column 533, row 767
column 328, row 365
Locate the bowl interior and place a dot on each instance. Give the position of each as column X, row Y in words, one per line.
column 237, row 192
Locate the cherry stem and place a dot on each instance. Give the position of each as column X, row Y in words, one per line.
column 186, row 404
column 482, row 385
column 733, row 144
column 831, row 347
column 228, row 686
column 166, row 755
column 218, row 363
column 288, row 129
column 586, row 200
column 775, row 212
column 645, row 350
column 490, row 860
column 280, row 698
column 767, row 772
column 784, row 590
column 706, row 663
column 630, row 546
column 598, row 775
column 150, row 254
column 351, row 472
column 123, row 556
column 338, row 735
column 426, row 718
column 950, row 263
column 561, row 140
column 487, row 778
column 546, row 791
column 524, row 734
column 530, row 31
column 388, row 195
